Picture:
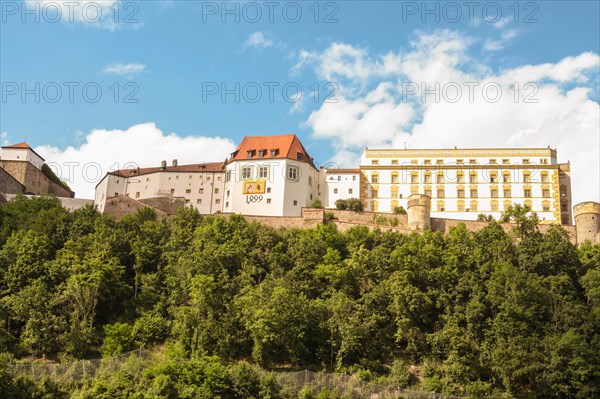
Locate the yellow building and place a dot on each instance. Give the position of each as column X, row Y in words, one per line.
column 463, row 183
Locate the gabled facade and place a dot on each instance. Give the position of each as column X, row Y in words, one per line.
column 339, row 184
column 22, row 152
column 270, row 176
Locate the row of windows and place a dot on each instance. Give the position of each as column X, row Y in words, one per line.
column 461, row 193
column 492, row 161
column 473, row 206
column 350, row 191
column 460, row 178
column 263, row 172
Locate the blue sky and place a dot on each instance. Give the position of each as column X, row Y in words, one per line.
column 177, row 50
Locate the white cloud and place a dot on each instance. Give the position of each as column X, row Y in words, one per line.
column 142, row 145
column 124, row 69
column 564, row 116
column 298, row 103
column 258, row 40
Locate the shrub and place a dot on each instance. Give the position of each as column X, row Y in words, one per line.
column 399, row 210
column 316, row 204
column 118, row 338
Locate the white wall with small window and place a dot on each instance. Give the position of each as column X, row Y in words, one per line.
column 338, row 184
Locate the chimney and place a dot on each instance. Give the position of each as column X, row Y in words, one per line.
column 174, row 162
column 163, row 165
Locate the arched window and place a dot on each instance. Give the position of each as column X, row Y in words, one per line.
column 473, row 206
column 441, row 206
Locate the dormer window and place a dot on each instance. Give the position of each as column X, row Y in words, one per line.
column 262, row 153
column 250, row 154
column 274, row 153
column 299, row 156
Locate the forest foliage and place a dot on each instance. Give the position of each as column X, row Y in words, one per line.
column 484, row 314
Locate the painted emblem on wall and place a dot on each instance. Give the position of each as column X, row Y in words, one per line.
column 255, row 187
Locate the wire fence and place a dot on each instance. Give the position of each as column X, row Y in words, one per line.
column 292, row 383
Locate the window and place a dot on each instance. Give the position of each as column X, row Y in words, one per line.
column 473, row 206
column 474, row 193
column 394, row 178
column 274, row 153
column 250, row 154
column 414, row 162
column 295, row 203
column 460, row 178
column 440, row 206
column 472, row 161
column 493, row 177
column 374, row 178
column 563, row 207
column 546, row 206
column 262, row 153
column 188, row 191
column 546, row 193
column 427, row 162
column 413, row 178
column 494, row 206
column 439, row 179
column 545, row 178
column 219, row 178
column 375, row 162
column 461, row 206
column 216, row 191
column 353, row 178
column 439, row 161
column 473, row 178
column 299, row 156
column 507, row 205
column 339, row 178
column 526, row 161
column 228, row 193
column 207, row 178
column 493, row 161
column 263, row 172
column 494, row 193
column 201, row 191
column 506, row 161
column 268, row 190
column 198, row 201
column 349, row 191
column 507, row 193
column 460, row 161
column 526, row 177
column 218, row 201
column 247, row 172
column 527, row 193
column 172, row 191
column 374, row 193
column 228, row 176
column 428, row 192
column 335, row 190
column 544, row 161
column 460, row 193
column 137, row 194
column 394, row 192
column 441, row 193
column 427, row 178
column 227, row 204
column 187, row 201
column 394, row 162
column 506, row 177
column 292, row 173
column 268, row 200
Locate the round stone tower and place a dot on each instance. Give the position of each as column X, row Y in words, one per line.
column 587, row 221
column 418, row 212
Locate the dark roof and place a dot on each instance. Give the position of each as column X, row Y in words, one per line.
column 23, row 146
column 286, row 146
column 198, row 167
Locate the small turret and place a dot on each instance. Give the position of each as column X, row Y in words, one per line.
column 587, row 221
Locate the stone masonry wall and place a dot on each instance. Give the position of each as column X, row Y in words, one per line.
column 33, row 179
column 10, row 185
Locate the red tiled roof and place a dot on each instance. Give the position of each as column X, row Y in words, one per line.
column 23, row 146
column 284, row 146
column 199, row 167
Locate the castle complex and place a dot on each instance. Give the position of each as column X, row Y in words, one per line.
column 274, row 176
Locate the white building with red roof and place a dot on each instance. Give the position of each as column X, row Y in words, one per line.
column 270, row 176
column 22, row 152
